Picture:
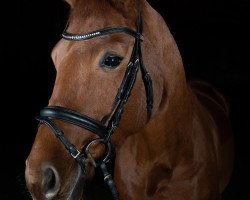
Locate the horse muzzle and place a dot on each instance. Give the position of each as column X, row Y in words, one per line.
column 47, row 183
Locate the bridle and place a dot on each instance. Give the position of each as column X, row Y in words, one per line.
column 104, row 132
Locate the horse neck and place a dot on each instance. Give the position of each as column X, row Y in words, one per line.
column 164, row 60
column 172, row 106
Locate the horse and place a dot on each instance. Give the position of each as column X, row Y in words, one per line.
column 121, row 95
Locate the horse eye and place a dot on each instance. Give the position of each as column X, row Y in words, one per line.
column 111, row 61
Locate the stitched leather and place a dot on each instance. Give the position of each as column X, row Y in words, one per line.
column 70, row 116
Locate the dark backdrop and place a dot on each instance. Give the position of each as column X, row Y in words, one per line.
column 213, row 39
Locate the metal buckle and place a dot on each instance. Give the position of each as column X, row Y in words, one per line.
column 75, row 156
column 137, row 61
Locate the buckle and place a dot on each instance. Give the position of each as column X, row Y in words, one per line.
column 75, row 155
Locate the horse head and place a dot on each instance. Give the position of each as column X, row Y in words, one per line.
column 120, row 86
column 89, row 74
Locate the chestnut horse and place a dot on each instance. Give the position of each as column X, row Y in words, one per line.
column 170, row 139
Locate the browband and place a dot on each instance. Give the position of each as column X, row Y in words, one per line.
column 105, row 31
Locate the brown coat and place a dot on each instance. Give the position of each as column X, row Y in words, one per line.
column 185, row 152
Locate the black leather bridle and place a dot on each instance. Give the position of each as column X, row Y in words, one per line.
column 104, row 132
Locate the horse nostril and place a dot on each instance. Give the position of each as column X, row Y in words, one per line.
column 51, row 183
column 49, row 179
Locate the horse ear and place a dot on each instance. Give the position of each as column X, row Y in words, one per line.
column 70, row 2
column 127, row 7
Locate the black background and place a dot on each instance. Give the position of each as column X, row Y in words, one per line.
column 213, row 39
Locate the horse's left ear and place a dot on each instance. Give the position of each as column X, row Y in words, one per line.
column 127, row 7
column 70, row 2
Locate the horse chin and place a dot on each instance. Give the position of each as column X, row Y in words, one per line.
column 77, row 189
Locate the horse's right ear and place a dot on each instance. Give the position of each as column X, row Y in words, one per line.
column 70, row 2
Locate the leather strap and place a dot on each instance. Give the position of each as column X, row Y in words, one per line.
column 109, row 181
column 101, row 32
column 74, row 152
column 145, row 75
column 72, row 117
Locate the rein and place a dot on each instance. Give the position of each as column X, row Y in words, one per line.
column 104, row 132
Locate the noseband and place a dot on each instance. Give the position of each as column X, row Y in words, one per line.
column 104, row 132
